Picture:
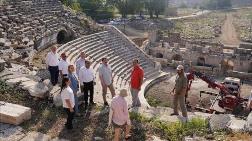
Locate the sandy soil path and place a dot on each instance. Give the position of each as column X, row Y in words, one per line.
column 229, row 35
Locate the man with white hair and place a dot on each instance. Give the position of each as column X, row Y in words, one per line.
column 52, row 62
column 180, row 92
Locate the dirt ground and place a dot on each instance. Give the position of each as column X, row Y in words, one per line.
column 229, row 35
column 160, row 93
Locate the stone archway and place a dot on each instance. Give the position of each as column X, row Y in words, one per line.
column 201, row 61
column 177, row 57
column 63, row 37
column 159, row 55
column 227, row 65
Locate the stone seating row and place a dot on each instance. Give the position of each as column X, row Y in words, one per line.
column 120, row 54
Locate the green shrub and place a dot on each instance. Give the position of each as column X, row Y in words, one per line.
column 152, row 101
column 173, row 131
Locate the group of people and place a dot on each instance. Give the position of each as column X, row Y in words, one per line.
column 80, row 76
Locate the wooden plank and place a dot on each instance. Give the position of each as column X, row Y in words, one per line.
column 13, row 113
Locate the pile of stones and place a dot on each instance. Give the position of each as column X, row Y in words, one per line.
column 23, row 24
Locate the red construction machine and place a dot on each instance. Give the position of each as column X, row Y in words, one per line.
column 228, row 100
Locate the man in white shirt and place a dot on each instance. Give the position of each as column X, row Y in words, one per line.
column 52, row 62
column 80, row 62
column 86, row 76
column 63, row 66
column 105, row 74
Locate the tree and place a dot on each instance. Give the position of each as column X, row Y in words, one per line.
column 97, row 9
column 217, row 4
column 155, row 7
column 126, row 7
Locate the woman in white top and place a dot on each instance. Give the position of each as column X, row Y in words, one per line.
column 68, row 101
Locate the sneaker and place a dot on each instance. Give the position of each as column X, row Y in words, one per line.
column 174, row 114
column 92, row 103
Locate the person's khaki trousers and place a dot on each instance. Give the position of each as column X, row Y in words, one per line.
column 135, row 99
column 104, row 91
column 180, row 99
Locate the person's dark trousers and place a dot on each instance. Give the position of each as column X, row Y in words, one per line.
column 70, row 117
column 88, row 87
column 54, row 73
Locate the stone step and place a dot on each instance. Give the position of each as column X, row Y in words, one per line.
column 4, row 74
column 13, row 113
column 10, row 132
column 36, row 136
column 16, row 79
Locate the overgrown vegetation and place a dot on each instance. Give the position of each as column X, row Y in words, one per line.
column 243, row 24
column 216, row 4
column 205, row 27
column 174, row 131
column 106, row 9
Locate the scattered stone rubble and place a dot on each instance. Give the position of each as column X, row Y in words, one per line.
column 13, row 133
column 25, row 24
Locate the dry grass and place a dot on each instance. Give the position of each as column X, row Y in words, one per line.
column 239, row 136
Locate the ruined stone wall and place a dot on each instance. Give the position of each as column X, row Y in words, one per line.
column 196, row 54
column 36, row 22
column 241, row 75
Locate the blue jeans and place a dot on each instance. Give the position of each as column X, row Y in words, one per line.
column 76, row 107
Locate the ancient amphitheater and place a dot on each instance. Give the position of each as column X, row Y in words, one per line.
column 30, row 26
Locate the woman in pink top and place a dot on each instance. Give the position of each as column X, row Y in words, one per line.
column 119, row 115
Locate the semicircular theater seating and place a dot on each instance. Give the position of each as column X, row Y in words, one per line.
column 119, row 52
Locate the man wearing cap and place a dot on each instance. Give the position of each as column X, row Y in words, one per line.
column 119, row 115
column 52, row 62
column 63, row 65
column 180, row 92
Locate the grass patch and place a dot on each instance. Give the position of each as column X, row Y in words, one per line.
column 173, row 131
column 177, row 130
column 153, row 101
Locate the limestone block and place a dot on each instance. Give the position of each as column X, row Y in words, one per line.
column 16, row 80
column 10, row 132
column 236, row 125
column 219, row 122
column 36, row 89
column 56, row 97
column 36, row 136
column 2, row 41
column 13, row 113
column 248, row 124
